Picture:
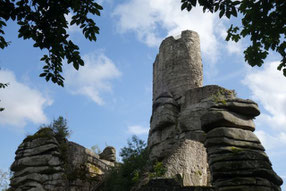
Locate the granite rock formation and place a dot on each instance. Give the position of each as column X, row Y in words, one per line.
column 235, row 155
column 204, row 135
column 42, row 163
column 108, row 154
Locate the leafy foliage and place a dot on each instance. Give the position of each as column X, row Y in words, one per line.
column 135, row 166
column 124, row 176
column 3, row 86
column 264, row 21
column 96, row 149
column 58, row 129
column 158, row 170
column 46, row 24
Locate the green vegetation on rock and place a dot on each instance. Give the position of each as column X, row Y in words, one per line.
column 220, row 96
column 135, row 167
column 58, row 129
column 126, row 174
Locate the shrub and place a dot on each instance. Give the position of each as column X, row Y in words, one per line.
column 58, row 128
column 126, row 174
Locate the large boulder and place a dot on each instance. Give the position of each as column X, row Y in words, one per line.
column 43, row 163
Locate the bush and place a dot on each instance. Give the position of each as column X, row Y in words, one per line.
column 125, row 175
column 58, row 129
column 158, row 170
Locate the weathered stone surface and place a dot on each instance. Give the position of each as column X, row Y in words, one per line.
column 109, row 154
column 164, row 116
column 189, row 117
column 189, row 160
column 162, row 150
column 170, row 184
column 237, row 160
column 213, row 93
column 244, row 188
column 41, row 160
column 178, row 65
column 35, row 177
column 242, row 106
column 221, row 118
column 233, row 133
column 259, row 172
column 37, row 150
column 39, row 169
column 40, row 164
column 224, row 141
column 230, row 149
column 226, row 166
column 36, row 143
column 164, row 98
column 238, row 155
column 262, row 173
column 237, row 181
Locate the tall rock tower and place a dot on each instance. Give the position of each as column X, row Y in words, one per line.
column 175, row 136
column 178, row 66
column 203, row 135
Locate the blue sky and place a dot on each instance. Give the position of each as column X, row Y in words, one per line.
column 110, row 98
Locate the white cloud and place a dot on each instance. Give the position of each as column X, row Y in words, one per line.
column 21, row 102
column 93, row 78
column 268, row 87
column 234, row 47
column 137, row 130
column 147, row 17
column 271, row 142
column 231, row 46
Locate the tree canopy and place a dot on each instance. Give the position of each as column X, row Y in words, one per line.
column 263, row 21
column 45, row 22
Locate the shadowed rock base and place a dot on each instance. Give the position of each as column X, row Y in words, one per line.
column 161, row 184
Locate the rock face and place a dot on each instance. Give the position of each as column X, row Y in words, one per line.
column 204, row 135
column 235, row 155
column 38, row 166
column 163, row 184
column 184, row 53
column 109, row 154
column 179, row 101
column 42, row 163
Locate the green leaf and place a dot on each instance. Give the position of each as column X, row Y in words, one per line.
column 42, row 74
column 221, row 13
column 227, row 14
column 234, row 12
column 236, row 3
column 76, row 65
column 184, row 6
column 194, row 2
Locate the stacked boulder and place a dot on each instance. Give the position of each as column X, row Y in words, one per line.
column 172, row 139
column 203, row 134
column 37, row 165
column 43, row 163
column 236, row 158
